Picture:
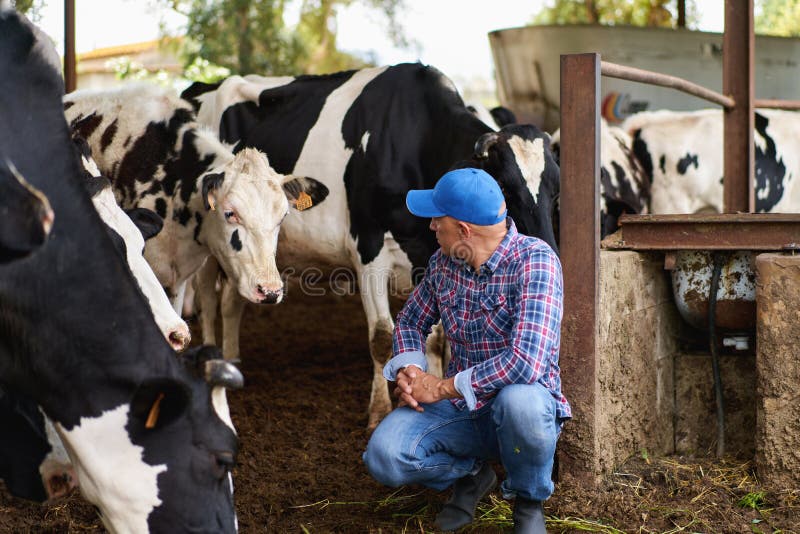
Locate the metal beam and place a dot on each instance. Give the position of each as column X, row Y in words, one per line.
column 70, row 73
column 580, row 255
column 737, row 82
column 731, row 231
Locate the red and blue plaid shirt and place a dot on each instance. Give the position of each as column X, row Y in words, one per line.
column 503, row 322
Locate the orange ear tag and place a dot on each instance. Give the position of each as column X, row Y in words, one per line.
column 152, row 417
column 303, row 201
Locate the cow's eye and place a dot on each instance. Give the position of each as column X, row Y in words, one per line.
column 224, row 463
column 231, row 217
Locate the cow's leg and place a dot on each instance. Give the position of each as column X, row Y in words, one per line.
column 435, row 350
column 373, row 283
column 189, row 309
column 177, row 294
column 206, row 280
column 232, row 308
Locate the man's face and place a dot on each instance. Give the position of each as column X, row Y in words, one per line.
column 447, row 233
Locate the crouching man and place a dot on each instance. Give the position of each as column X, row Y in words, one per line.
column 498, row 294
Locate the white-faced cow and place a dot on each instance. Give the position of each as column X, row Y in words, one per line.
column 25, row 215
column 77, row 338
column 370, row 136
column 145, row 139
column 682, row 155
column 624, row 187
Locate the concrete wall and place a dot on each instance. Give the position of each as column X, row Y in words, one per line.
column 636, row 347
column 696, row 409
column 649, row 395
column 778, row 370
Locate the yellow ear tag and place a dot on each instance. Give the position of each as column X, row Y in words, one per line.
column 303, row 201
column 152, row 417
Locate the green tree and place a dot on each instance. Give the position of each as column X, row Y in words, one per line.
column 317, row 28
column 32, row 8
column 772, row 17
column 661, row 13
column 251, row 36
column 778, row 17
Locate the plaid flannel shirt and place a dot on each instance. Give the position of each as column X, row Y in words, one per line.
column 503, row 322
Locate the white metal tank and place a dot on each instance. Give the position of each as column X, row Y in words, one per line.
column 527, row 67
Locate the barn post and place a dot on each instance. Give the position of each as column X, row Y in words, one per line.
column 737, row 82
column 70, row 75
column 580, row 258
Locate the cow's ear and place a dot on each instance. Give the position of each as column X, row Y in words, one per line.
column 211, row 182
column 147, row 221
column 159, row 402
column 304, row 192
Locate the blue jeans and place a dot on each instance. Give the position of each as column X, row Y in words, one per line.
column 442, row 444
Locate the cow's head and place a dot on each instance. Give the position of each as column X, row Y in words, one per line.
column 129, row 230
column 246, row 202
column 519, row 158
column 25, row 212
column 175, row 440
column 148, row 447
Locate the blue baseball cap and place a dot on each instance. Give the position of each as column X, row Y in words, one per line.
column 469, row 195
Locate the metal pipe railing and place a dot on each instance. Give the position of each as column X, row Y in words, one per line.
column 614, row 70
column 776, row 104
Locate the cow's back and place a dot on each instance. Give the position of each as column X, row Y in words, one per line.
column 368, row 135
column 682, row 153
column 132, row 130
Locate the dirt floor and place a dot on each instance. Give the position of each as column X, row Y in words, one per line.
column 302, row 416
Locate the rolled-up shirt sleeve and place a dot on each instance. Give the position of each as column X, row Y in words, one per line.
column 463, row 384
column 535, row 336
column 405, row 359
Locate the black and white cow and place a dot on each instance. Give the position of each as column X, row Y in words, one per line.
column 624, row 187
column 25, row 215
column 370, row 135
column 148, row 446
column 681, row 152
column 34, row 462
column 145, row 139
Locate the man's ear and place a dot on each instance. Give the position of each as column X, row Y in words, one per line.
column 464, row 230
column 211, row 182
column 303, row 192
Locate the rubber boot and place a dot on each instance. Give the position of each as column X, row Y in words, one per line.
column 528, row 517
column 459, row 510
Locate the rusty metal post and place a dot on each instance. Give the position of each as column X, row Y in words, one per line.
column 738, row 45
column 580, row 258
column 70, row 73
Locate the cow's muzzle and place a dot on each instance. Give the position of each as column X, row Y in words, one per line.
column 266, row 295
